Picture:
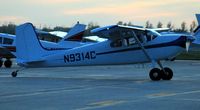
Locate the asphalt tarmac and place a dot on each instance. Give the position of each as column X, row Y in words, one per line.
column 125, row 87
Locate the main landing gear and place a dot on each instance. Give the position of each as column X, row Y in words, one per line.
column 7, row 63
column 157, row 74
column 1, row 62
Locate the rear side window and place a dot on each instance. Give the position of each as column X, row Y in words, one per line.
column 7, row 41
column 0, row 40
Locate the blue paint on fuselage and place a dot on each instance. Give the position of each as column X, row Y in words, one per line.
column 160, row 48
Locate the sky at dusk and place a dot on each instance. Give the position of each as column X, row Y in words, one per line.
column 103, row 12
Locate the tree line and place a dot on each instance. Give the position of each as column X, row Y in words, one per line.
column 10, row 27
column 183, row 26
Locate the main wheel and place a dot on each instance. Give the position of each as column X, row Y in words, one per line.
column 14, row 74
column 155, row 74
column 1, row 63
column 8, row 63
column 168, row 74
column 173, row 59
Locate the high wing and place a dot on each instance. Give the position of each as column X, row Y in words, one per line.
column 115, row 32
column 59, row 33
column 161, row 30
column 93, row 39
column 112, row 28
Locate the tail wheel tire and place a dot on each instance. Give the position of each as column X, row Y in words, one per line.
column 168, row 74
column 14, row 74
column 1, row 63
column 155, row 74
column 8, row 63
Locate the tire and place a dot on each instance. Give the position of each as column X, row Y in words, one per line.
column 155, row 74
column 14, row 74
column 8, row 63
column 1, row 63
column 168, row 74
column 173, row 59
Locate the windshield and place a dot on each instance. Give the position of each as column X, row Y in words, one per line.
column 151, row 34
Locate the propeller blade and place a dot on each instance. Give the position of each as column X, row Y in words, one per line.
column 187, row 45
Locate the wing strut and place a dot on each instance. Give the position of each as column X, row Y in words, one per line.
column 142, row 47
column 147, row 55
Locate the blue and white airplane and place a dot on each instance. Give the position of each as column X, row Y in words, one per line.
column 69, row 40
column 124, row 45
column 7, row 47
column 197, row 30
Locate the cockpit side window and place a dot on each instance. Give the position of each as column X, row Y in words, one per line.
column 0, row 40
column 116, row 39
column 8, row 41
column 141, row 36
column 128, row 37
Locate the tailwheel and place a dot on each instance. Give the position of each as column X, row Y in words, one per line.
column 14, row 73
column 155, row 74
column 167, row 74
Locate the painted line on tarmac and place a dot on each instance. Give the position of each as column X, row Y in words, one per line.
column 101, row 104
column 48, row 91
column 162, row 95
column 194, row 100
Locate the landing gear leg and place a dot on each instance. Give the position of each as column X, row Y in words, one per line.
column 166, row 72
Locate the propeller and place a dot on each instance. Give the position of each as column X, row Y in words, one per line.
column 187, row 43
column 189, row 40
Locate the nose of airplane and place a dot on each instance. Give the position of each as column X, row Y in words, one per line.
column 190, row 38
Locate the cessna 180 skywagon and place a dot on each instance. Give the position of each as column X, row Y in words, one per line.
column 124, row 45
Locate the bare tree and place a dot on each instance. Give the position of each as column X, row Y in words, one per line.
column 92, row 25
column 125, row 24
column 151, row 26
column 130, row 24
column 183, row 27
column 8, row 28
column 159, row 25
column 120, row 23
column 170, row 26
column 148, row 24
column 193, row 26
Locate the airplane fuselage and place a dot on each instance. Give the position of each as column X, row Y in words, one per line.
column 103, row 53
